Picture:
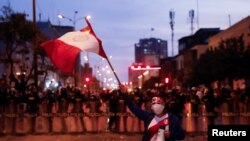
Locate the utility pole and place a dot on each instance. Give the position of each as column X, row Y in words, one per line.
column 229, row 20
column 191, row 18
column 171, row 16
column 197, row 6
column 35, row 46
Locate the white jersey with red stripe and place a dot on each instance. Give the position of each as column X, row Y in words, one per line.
column 154, row 125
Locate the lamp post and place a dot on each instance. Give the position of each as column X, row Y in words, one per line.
column 35, row 46
column 74, row 20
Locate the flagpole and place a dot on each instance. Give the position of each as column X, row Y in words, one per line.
column 119, row 82
column 102, row 50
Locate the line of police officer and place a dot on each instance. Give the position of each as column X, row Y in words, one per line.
column 17, row 103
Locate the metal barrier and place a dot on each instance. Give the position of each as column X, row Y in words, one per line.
column 15, row 120
column 191, row 122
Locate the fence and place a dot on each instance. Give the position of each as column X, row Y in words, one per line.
column 20, row 122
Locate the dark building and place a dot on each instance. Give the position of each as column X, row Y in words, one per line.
column 149, row 47
column 168, row 70
column 179, row 68
column 194, row 46
column 148, row 53
column 53, row 31
column 200, row 37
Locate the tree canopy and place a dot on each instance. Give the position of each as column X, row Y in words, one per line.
column 230, row 60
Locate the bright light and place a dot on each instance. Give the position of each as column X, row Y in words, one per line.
column 60, row 16
column 51, row 84
column 86, row 58
column 87, row 79
column 146, row 73
column 166, row 80
column 145, row 68
column 88, row 17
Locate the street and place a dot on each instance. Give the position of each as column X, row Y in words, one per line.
column 90, row 137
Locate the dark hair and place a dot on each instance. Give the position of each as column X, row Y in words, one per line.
column 161, row 95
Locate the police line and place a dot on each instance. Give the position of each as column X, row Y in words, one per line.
column 66, row 115
column 211, row 114
column 225, row 114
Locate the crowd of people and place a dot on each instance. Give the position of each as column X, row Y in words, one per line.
column 20, row 99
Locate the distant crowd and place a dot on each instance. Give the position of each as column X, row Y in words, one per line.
column 20, row 99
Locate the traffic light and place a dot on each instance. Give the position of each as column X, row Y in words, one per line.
column 166, row 80
column 87, row 79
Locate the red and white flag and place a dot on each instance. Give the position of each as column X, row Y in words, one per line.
column 64, row 50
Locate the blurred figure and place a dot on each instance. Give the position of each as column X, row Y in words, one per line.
column 137, row 98
column 193, row 100
column 245, row 99
column 3, row 96
column 174, row 104
column 11, row 107
column 50, row 101
column 32, row 106
column 20, row 83
column 208, row 107
column 94, row 104
column 147, row 95
column 208, row 100
column 122, row 113
column 113, row 104
column 78, row 102
column 63, row 107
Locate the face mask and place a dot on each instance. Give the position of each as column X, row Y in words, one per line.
column 157, row 108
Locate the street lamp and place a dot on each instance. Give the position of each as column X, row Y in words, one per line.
column 74, row 20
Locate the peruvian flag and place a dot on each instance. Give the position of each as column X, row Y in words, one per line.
column 64, row 50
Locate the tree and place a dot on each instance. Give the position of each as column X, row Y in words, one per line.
column 230, row 60
column 246, row 63
column 16, row 32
